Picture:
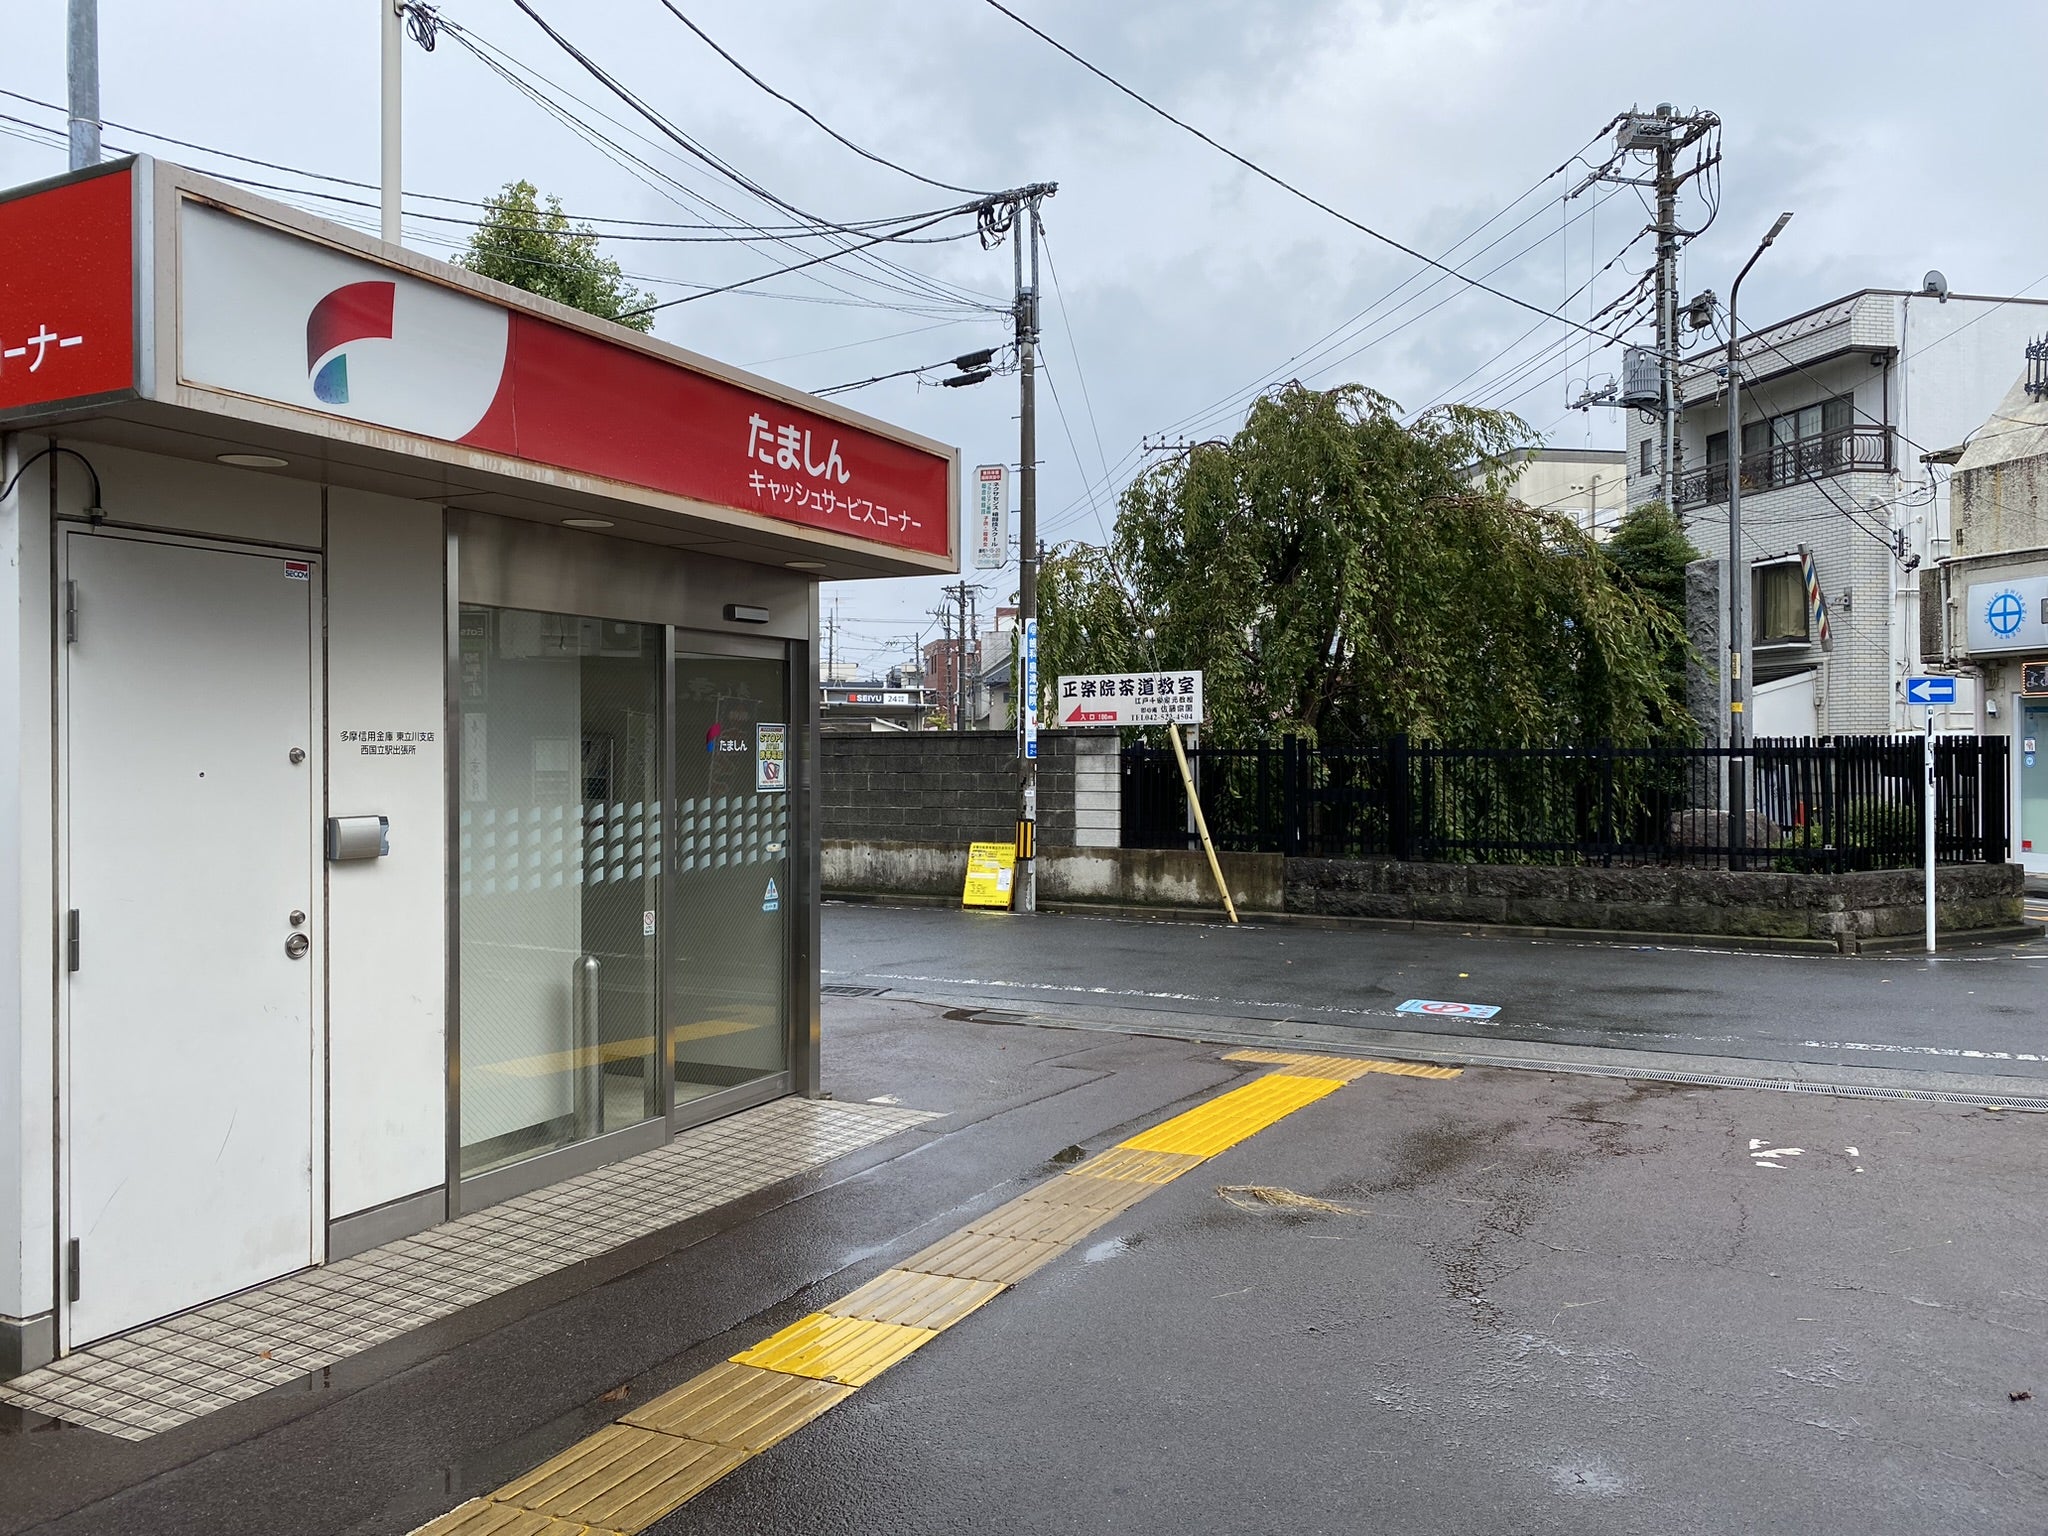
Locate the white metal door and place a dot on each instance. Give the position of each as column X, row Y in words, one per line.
column 189, row 1092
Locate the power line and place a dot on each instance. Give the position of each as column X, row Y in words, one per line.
column 515, row 73
column 1259, row 170
column 812, row 117
column 669, row 130
column 1320, row 345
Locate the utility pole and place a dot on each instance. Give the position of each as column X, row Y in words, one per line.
column 1025, row 209
column 945, row 618
column 82, row 39
column 1663, row 135
column 393, row 118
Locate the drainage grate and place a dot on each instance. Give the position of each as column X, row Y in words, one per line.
column 840, row 990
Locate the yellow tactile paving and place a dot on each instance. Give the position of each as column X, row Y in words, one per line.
column 1106, row 1195
column 741, row 1406
column 657, row 1457
column 1040, row 1220
column 480, row 1517
column 1229, row 1118
column 1346, row 1069
column 621, row 1479
column 916, row 1300
column 970, row 1255
column 1128, row 1163
column 850, row 1350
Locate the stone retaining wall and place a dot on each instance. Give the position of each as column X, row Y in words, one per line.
column 1844, row 912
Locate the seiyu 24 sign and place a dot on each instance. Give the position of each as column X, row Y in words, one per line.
column 1131, row 698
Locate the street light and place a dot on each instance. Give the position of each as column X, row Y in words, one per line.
column 1738, row 577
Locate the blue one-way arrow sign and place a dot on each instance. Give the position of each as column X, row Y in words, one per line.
column 1930, row 690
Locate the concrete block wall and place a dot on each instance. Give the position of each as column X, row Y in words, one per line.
column 960, row 787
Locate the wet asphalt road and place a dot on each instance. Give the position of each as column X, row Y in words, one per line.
column 1979, row 1010
column 1528, row 1303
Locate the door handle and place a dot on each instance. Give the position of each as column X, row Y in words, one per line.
column 297, row 945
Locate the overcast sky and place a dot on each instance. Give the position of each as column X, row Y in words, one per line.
column 1904, row 136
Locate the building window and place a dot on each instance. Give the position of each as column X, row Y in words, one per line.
column 1643, row 456
column 1806, row 444
column 1777, row 604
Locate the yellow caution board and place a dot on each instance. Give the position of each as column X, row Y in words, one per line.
column 991, row 874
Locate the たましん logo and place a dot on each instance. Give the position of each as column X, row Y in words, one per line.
column 353, row 312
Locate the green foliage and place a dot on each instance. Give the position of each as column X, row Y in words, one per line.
column 1337, row 575
column 1649, row 553
column 538, row 249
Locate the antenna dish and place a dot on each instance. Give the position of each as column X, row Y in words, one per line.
column 1934, row 285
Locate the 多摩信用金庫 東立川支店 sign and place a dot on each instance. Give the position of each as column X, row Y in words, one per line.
column 1130, row 698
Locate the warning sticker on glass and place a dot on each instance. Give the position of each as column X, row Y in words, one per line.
column 771, row 899
column 771, row 757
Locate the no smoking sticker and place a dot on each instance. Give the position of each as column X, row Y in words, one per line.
column 1448, row 1010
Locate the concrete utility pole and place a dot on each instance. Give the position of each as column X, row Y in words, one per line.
column 82, row 38
column 1662, row 134
column 1738, row 573
column 393, row 119
column 1026, row 211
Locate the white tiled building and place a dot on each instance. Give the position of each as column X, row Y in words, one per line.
column 1840, row 404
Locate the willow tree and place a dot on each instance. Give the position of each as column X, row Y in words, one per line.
column 1341, row 575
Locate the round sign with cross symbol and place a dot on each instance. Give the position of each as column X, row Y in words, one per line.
column 2005, row 614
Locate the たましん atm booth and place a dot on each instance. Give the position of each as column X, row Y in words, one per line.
column 413, row 694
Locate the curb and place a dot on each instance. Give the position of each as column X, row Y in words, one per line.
column 1895, row 944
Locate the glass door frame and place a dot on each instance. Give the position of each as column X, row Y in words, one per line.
column 801, row 886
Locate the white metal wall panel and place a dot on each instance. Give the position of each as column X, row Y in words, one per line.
column 387, row 1033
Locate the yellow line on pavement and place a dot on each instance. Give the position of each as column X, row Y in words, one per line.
column 657, row 1457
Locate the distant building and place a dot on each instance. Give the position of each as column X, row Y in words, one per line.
column 1844, row 408
column 1986, row 606
column 943, row 666
column 867, row 706
column 1587, row 485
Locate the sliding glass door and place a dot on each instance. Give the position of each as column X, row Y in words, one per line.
column 560, row 834
column 729, row 890
column 624, row 911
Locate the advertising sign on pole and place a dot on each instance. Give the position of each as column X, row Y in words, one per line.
column 1131, row 698
column 1029, row 712
column 991, row 517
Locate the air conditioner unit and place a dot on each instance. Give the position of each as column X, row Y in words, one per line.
column 1642, row 386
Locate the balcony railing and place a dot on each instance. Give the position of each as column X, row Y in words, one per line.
column 1782, row 464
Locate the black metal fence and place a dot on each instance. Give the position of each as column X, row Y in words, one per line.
column 1823, row 806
